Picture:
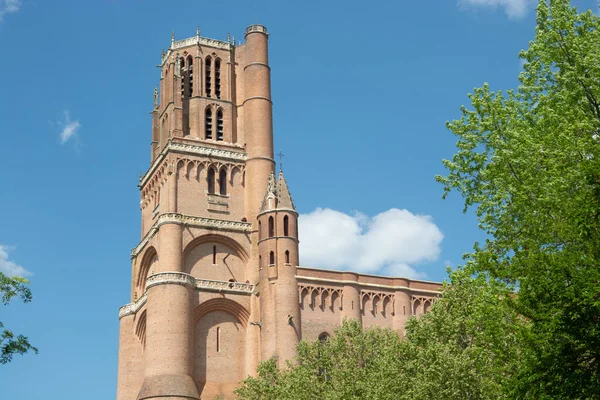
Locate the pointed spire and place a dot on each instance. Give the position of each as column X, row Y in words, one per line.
column 228, row 37
column 197, row 30
column 277, row 190
column 172, row 39
column 270, row 193
column 283, row 193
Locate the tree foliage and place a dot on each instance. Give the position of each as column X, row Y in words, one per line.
column 464, row 348
column 528, row 161
column 11, row 344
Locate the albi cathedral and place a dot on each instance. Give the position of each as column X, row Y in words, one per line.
column 216, row 286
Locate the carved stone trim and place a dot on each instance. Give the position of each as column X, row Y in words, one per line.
column 195, row 40
column 195, row 149
column 200, row 150
column 200, row 222
column 132, row 308
column 177, row 278
column 222, row 286
column 365, row 285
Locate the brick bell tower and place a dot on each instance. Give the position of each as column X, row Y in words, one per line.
column 214, row 276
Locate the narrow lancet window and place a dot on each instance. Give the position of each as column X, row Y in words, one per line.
column 286, row 225
column 287, row 256
column 210, row 179
column 208, row 77
column 218, row 339
column 220, row 125
column 214, row 255
column 271, row 227
column 182, row 74
column 223, row 182
column 208, row 124
column 190, row 72
column 218, row 78
column 272, row 258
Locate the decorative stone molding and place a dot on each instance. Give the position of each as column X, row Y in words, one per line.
column 199, row 222
column 132, row 308
column 164, row 278
column 361, row 285
column 256, row 28
column 179, row 278
column 222, row 286
column 202, row 222
column 137, row 249
column 195, row 40
column 194, row 149
column 200, row 150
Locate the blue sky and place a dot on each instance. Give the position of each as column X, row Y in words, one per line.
column 361, row 94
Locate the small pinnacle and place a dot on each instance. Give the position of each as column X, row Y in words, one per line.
column 198, row 30
column 140, row 176
column 228, row 37
column 234, row 40
column 162, row 54
column 172, row 37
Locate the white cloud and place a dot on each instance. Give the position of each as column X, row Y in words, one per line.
column 515, row 9
column 69, row 128
column 388, row 243
column 8, row 7
column 8, row 267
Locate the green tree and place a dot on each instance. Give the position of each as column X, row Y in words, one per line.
column 466, row 347
column 11, row 344
column 528, row 161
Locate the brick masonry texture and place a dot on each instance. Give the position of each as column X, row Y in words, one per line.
column 216, row 287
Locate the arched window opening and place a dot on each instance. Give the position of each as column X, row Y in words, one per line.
column 214, row 255
column 183, row 75
column 259, row 230
column 208, row 124
column 223, row 182
column 220, row 125
column 287, row 256
column 259, row 262
column 210, row 179
column 190, row 74
column 218, row 78
column 271, row 258
column 323, row 337
column 271, row 227
column 207, row 76
column 218, row 339
column 286, row 225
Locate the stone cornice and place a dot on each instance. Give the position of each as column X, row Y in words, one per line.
column 206, row 151
column 132, row 308
column 188, row 220
column 194, row 149
column 365, row 285
column 164, row 278
column 222, row 286
column 180, row 278
column 195, row 40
